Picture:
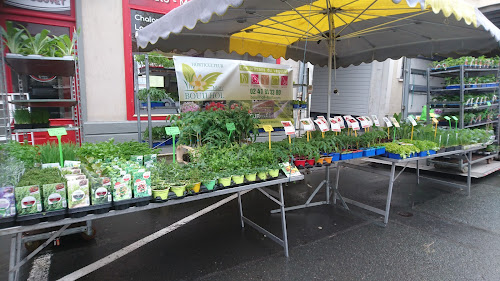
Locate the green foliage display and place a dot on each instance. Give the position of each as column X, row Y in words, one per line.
column 110, row 150
column 49, row 152
column 37, row 44
column 13, row 37
column 22, row 116
column 156, row 59
column 209, row 127
column 40, row 116
column 155, row 94
column 478, row 62
column 25, row 153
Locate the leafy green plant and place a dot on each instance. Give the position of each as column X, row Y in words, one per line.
column 35, row 45
column 155, row 94
column 13, row 37
column 40, row 116
column 25, row 153
column 49, row 152
column 155, row 59
column 65, row 44
column 22, row 116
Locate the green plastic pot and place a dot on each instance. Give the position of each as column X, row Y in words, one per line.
column 178, row 190
column 225, row 181
column 163, row 194
column 238, row 179
column 274, row 173
column 262, row 175
column 251, row 177
column 209, row 184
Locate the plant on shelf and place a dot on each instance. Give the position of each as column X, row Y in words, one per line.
column 155, row 59
column 40, row 117
column 22, row 117
column 155, row 94
column 36, row 45
column 13, row 37
column 65, row 44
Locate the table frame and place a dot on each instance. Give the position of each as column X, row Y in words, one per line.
column 17, row 237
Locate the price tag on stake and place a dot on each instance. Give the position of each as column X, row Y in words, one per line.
column 322, row 124
column 412, row 121
column 340, row 120
column 230, row 127
column 395, row 122
column 289, row 129
column 171, row 131
column 488, row 103
column 375, row 120
column 387, row 122
column 268, row 128
column 435, row 120
column 370, row 122
column 334, row 125
column 308, row 124
column 58, row 132
column 353, row 124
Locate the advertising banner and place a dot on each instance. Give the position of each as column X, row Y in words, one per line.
column 211, row 84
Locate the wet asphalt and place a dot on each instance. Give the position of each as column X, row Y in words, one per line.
column 435, row 233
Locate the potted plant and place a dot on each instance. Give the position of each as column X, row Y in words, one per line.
column 274, row 169
column 160, row 189
column 251, row 174
column 155, row 96
column 262, row 173
column 224, row 178
column 303, row 104
column 35, row 45
column 296, row 103
column 13, row 38
column 66, row 45
column 40, row 118
column 22, row 119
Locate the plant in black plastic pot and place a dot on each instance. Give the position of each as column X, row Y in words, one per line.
column 22, row 119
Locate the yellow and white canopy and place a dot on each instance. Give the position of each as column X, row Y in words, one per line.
column 355, row 31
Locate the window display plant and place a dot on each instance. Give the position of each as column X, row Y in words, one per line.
column 13, row 37
column 36, row 45
column 155, row 94
column 22, row 119
column 40, row 118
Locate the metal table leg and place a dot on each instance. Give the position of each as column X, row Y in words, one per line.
column 12, row 261
column 469, row 168
column 283, row 221
column 389, row 194
column 418, row 173
column 241, row 210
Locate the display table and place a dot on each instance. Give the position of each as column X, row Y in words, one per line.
column 465, row 153
column 235, row 192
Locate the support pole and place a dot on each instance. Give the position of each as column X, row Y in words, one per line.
column 389, row 193
column 150, row 126
column 283, row 220
column 330, row 54
column 241, row 210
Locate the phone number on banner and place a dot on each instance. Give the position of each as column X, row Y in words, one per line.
column 271, row 92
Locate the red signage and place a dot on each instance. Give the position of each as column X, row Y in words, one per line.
column 160, row 6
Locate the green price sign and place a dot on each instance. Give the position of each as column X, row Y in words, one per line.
column 57, row 132
column 447, row 118
column 172, row 131
column 488, row 103
column 230, row 127
column 454, row 118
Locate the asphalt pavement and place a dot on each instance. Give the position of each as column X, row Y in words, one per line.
column 434, row 233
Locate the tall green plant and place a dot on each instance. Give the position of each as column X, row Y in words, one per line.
column 36, row 45
column 13, row 37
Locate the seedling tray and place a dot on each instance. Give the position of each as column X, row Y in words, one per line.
column 83, row 211
column 39, row 217
column 138, row 202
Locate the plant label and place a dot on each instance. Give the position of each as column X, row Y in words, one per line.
column 7, row 202
column 370, row 122
column 395, row 122
column 334, row 125
column 447, row 118
column 347, row 119
column 468, row 102
column 288, row 126
column 432, row 115
column 322, row 124
column 375, row 120
column 353, row 124
column 57, row 132
column 435, row 120
column 289, row 170
column 387, row 122
column 488, row 103
column 308, row 124
column 477, row 100
column 230, row 127
column 340, row 120
column 481, row 100
column 364, row 123
column 171, row 131
column 454, row 118
column 268, row 128
column 412, row 121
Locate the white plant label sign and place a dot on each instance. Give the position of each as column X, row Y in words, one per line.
column 324, row 119
column 370, row 122
column 388, row 122
column 322, row 124
column 334, row 125
column 289, row 128
column 353, row 123
column 347, row 119
column 395, row 122
column 340, row 120
column 308, row 124
column 412, row 121
column 364, row 123
column 375, row 120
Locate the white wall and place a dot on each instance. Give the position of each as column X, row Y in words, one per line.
column 102, row 34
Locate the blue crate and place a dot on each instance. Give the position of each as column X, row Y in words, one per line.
column 431, row 152
column 394, row 156
column 380, row 150
column 345, row 156
column 367, row 152
column 335, row 156
column 423, row 153
column 357, row 154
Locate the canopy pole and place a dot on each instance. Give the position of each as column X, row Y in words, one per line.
column 330, row 53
